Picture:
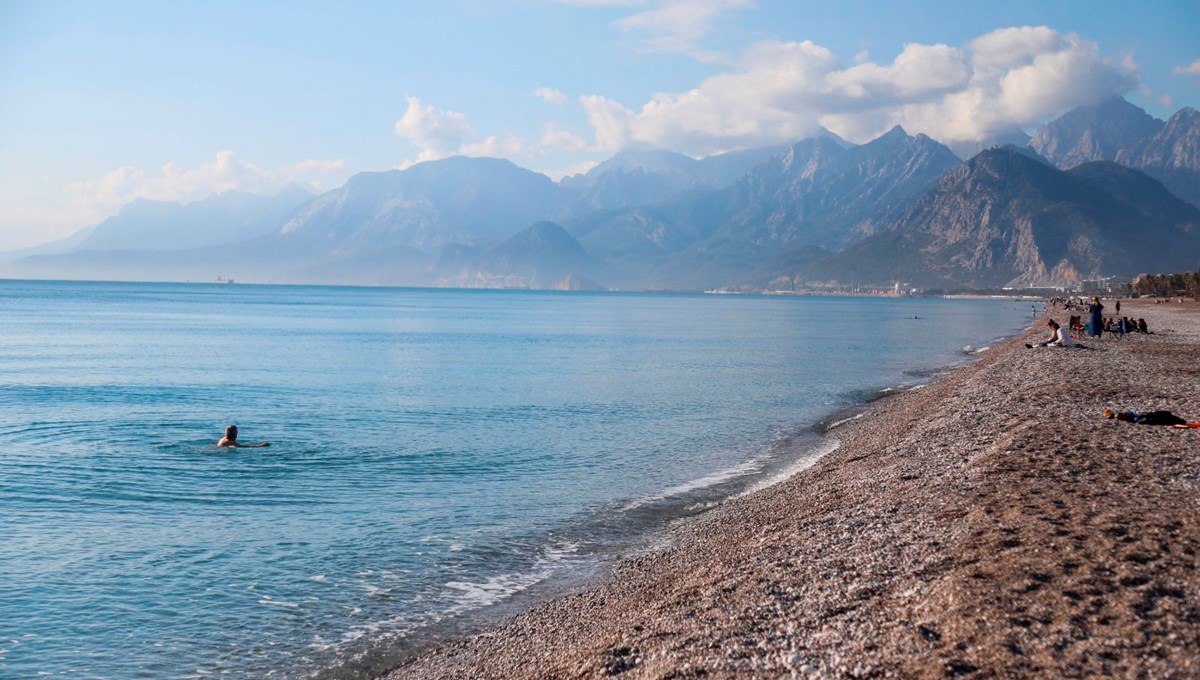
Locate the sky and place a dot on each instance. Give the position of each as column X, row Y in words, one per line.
column 102, row 103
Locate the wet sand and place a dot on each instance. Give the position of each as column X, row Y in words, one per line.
column 989, row 524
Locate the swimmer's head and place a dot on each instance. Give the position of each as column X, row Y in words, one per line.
column 231, row 432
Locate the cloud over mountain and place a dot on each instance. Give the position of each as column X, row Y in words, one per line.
column 782, row 91
column 105, row 194
column 435, row 132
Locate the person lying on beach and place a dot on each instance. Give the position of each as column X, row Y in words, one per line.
column 1058, row 337
column 1149, row 418
column 230, row 441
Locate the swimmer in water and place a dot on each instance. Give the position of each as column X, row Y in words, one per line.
column 229, row 441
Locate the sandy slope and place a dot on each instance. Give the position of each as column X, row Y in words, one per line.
column 990, row 524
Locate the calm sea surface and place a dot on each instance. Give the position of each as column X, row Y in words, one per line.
column 435, row 454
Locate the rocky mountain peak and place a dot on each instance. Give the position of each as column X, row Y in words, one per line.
column 1171, row 155
column 1093, row 133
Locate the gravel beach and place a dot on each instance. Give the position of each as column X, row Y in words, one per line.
column 989, row 524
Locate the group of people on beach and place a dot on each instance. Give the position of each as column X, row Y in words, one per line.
column 1125, row 325
column 1097, row 324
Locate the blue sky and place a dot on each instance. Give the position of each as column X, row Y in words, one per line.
column 104, row 102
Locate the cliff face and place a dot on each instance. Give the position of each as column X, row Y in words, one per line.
column 1004, row 219
column 1093, row 133
column 1172, row 155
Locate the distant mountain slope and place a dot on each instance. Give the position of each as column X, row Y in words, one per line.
column 543, row 256
column 636, row 177
column 1171, row 155
column 1093, row 133
column 165, row 241
column 166, row 225
column 65, row 245
column 817, row 193
column 474, row 201
column 1004, row 219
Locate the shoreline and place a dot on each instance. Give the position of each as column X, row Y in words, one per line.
column 988, row 522
column 809, row 441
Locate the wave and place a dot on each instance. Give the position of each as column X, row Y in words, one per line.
column 707, row 481
column 794, row 468
column 470, row 595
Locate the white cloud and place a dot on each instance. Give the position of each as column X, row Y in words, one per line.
column 1192, row 69
column 439, row 134
column 314, row 165
column 1167, row 101
column 555, row 139
column 549, row 94
column 782, row 91
column 678, row 26
column 672, row 26
column 435, row 132
column 494, row 147
column 105, row 194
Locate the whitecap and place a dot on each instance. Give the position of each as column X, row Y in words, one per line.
column 843, row 421
column 718, row 477
column 824, row 449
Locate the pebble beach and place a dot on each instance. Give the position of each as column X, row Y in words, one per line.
column 989, row 524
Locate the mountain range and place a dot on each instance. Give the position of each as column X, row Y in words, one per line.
column 1105, row 189
column 1004, row 219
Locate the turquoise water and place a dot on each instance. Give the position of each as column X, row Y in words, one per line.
column 434, row 453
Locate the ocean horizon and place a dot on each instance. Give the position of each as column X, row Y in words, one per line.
column 436, row 455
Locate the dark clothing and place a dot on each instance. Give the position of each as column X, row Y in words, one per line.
column 1151, row 418
column 1096, row 323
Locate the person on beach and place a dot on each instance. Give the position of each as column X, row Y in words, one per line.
column 1058, row 337
column 229, row 441
column 1096, row 323
column 1150, row 418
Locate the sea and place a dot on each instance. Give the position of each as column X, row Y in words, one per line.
column 438, row 458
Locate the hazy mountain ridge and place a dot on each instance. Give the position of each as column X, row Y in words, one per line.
column 1171, row 155
column 818, row 193
column 543, row 256
column 1093, row 133
column 658, row 219
column 1116, row 130
column 636, row 177
column 1004, row 219
column 476, row 201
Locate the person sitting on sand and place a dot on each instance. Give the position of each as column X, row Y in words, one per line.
column 1058, row 337
column 230, row 441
